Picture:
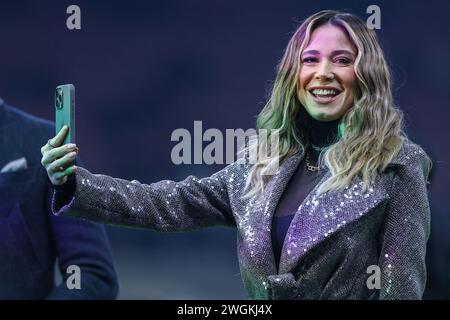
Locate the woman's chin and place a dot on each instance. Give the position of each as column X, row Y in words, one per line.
column 325, row 114
column 329, row 112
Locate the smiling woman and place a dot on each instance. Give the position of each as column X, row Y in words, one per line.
column 327, row 77
column 349, row 196
column 335, row 70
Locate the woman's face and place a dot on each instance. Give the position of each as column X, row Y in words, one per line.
column 327, row 76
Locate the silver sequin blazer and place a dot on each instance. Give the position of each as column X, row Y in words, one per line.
column 333, row 240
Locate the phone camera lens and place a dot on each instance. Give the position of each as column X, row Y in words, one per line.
column 59, row 99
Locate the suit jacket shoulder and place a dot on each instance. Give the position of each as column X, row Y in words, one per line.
column 412, row 154
column 23, row 134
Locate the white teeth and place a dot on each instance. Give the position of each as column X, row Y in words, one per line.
column 321, row 92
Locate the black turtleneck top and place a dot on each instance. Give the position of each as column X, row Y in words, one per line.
column 320, row 134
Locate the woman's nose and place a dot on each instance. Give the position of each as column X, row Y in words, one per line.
column 324, row 71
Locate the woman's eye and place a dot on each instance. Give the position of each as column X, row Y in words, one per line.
column 309, row 60
column 343, row 60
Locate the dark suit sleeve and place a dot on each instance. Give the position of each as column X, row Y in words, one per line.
column 406, row 231
column 83, row 243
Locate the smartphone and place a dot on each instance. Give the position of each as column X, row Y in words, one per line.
column 65, row 110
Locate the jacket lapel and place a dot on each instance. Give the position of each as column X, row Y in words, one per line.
column 257, row 222
column 319, row 217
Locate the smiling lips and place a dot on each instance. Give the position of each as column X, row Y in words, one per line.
column 324, row 95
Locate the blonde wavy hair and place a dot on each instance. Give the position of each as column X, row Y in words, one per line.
column 369, row 135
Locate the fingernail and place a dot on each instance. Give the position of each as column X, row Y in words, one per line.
column 70, row 146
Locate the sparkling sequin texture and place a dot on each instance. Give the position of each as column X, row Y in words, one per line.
column 332, row 240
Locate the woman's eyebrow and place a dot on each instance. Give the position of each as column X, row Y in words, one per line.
column 336, row 52
column 314, row 52
column 333, row 53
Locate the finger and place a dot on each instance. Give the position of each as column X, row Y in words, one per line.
column 56, row 153
column 57, row 140
column 61, row 177
column 57, row 169
column 63, row 162
column 61, row 168
column 45, row 148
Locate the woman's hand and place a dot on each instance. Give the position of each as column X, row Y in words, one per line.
column 59, row 160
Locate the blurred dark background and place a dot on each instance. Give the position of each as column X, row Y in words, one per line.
column 145, row 68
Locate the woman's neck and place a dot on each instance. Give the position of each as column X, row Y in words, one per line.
column 318, row 134
column 322, row 133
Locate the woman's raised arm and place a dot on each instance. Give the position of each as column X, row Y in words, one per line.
column 162, row 206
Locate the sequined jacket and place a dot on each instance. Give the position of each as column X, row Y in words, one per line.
column 340, row 245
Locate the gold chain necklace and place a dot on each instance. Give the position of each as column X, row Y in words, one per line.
column 309, row 166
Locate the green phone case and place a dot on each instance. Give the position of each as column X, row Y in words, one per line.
column 65, row 110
